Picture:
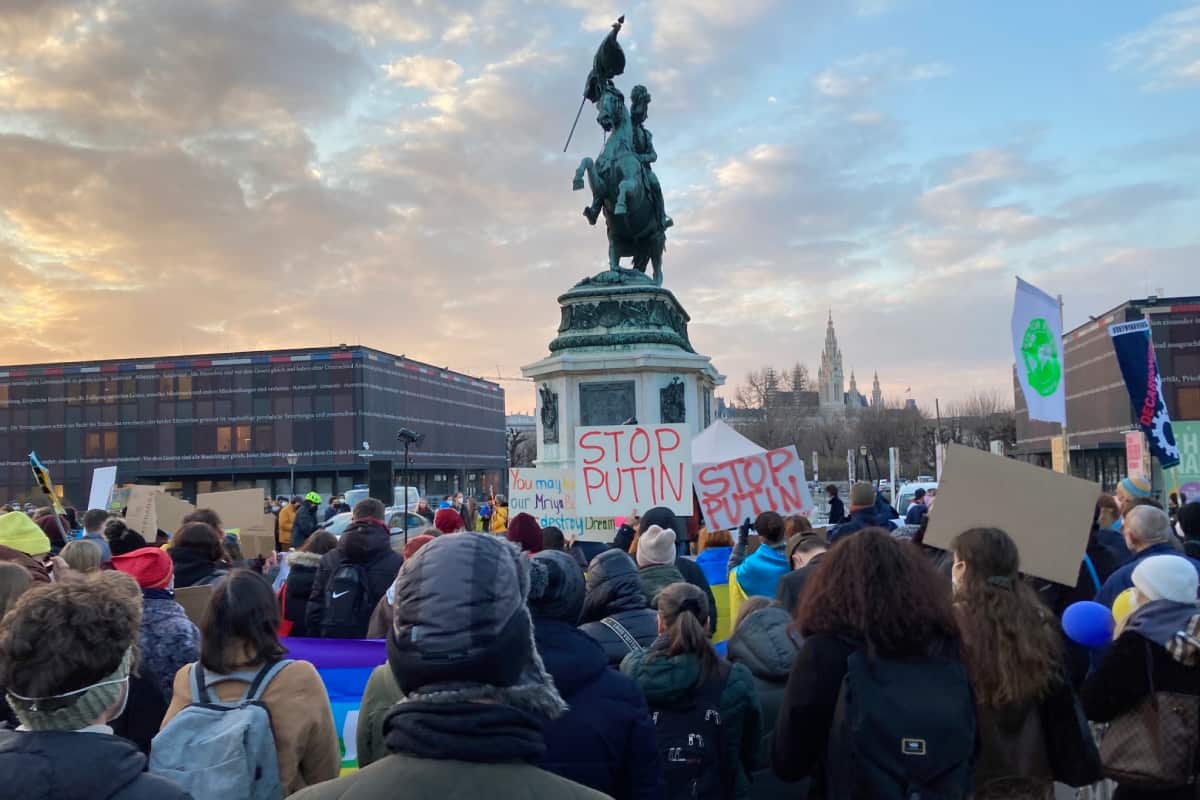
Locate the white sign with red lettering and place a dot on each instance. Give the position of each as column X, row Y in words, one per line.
column 622, row 467
column 745, row 487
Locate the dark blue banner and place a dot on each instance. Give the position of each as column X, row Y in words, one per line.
column 1139, row 366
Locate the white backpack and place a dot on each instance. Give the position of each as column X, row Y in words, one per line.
column 222, row 751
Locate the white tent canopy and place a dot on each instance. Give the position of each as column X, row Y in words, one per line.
column 719, row 442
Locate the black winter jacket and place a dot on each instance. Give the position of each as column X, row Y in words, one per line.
column 306, row 522
column 302, row 574
column 1122, row 681
column 603, row 741
column 766, row 644
column 366, row 542
column 614, row 589
column 192, row 568
column 70, row 765
column 800, row 744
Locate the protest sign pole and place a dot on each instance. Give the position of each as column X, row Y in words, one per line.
column 1065, row 433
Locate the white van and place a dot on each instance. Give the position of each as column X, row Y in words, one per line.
column 906, row 494
column 398, row 496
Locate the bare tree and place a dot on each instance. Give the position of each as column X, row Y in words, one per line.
column 522, row 450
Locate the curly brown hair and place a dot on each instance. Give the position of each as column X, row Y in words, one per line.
column 877, row 589
column 1011, row 647
column 61, row 637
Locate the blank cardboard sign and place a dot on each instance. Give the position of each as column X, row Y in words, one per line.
column 195, row 600
column 171, row 511
column 1047, row 514
column 241, row 508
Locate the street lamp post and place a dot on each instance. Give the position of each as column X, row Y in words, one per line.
column 292, row 458
column 412, row 438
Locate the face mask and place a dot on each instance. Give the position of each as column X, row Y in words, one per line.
column 124, row 701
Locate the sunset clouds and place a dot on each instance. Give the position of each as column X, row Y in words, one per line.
column 204, row 175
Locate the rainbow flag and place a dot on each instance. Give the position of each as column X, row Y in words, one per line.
column 344, row 665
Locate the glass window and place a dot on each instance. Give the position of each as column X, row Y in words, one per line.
column 204, row 409
column 264, row 438
column 73, row 392
column 110, row 391
column 244, row 441
column 91, row 446
column 224, row 439
column 110, row 444
column 166, row 385
column 262, row 407
column 185, row 387
column 4, row 395
column 183, row 440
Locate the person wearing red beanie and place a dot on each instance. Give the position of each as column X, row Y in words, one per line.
column 151, row 567
column 525, row 531
column 168, row 639
column 447, row 520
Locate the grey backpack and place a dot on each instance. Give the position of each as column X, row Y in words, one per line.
column 221, row 751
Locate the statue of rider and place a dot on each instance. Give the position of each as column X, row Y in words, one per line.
column 643, row 145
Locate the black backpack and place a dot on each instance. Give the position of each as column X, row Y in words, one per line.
column 903, row 729
column 689, row 743
column 347, row 611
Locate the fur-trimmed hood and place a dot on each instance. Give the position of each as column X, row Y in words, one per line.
column 299, row 559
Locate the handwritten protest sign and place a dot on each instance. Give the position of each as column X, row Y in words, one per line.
column 744, row 487
column 549, row 495
column 632, row 466
column 141, row 512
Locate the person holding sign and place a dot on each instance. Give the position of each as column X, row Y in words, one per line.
column 759, row 574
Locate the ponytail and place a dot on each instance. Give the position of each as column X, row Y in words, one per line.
column 684, row 609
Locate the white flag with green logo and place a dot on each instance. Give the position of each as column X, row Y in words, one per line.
column 1037, row 348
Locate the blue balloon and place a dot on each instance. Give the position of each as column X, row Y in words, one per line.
column 1088, row 623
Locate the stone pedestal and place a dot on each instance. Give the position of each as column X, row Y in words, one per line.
column 622, row 353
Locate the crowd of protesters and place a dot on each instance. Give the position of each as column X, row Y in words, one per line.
column 862, row 663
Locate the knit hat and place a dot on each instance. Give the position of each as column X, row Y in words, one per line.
column 524, row 530
column 49, row 713
column 1167, row 578
column 656, row 546
column 1135, row 487
column 447, row 520
column 151, row 567
column 862, row 494
column 556, row 586
column 462, row 631
column 416, row 543
column 19, row 532
column 666, row 519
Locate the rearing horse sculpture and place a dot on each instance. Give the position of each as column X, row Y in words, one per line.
column 623, row 187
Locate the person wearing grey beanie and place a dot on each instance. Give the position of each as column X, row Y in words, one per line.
column 67, row 652
column 475, row 693
column 606, row 738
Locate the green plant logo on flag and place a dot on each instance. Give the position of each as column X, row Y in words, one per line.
column 1042, row 366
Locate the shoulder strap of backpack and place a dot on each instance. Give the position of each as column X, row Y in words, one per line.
column 623, row 634
column 264, row 678
column 199, row 689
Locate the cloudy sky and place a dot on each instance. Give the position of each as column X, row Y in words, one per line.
column 183, row 176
